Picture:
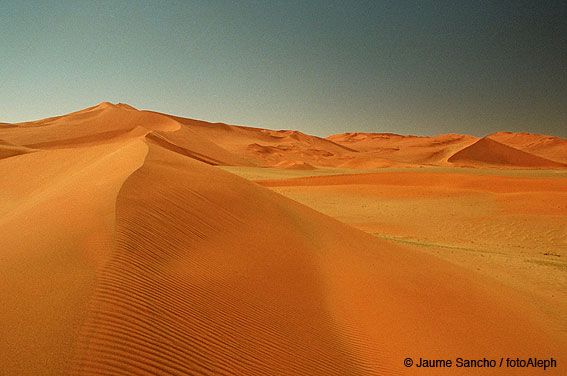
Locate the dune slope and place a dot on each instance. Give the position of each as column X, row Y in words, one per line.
column 204, row 281
column 56, row 231
column 487, row 152
column 125, row 252
column 548, row 147
column 405, row 149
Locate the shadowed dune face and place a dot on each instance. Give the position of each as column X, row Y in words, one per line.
column 508, row 228
column 229, row 145
column 56, row 225
column 488, row 152
column 191, row 289
column 96, row 125
column 552, row 148
column 8, row 150
column 200, row 283
column 124, row 251
column 263, row 147
column 405, row 149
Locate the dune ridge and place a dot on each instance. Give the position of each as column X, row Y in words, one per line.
column 8, row 149
column 57, row 226
column 231, row 145
column 487, row 151
column 126, row 251
column 548, row 147
column 407, row 150
column 185, row 299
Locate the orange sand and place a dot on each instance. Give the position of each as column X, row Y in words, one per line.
column 124, row 251
column 508, row 228
column 487, row 152
column 553, row 148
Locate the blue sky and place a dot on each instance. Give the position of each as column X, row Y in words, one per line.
column 322, row 67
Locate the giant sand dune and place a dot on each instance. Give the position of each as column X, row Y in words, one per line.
column 127, row 250
column 488, row 152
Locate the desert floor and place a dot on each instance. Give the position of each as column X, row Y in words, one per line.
column 506, row 225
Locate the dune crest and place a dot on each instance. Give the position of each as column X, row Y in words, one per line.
column 548, row 147
column 231, row 145
column 8, row 149
column 488, row 152
column 408, row 150
column 194, row 288
column 125, row 250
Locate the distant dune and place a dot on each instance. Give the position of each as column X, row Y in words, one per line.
column 487, row 152
column 125, row 251
column 410, row 150
column 548, row 147
column 223, row 144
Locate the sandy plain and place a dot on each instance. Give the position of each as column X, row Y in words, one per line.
column 138, row 243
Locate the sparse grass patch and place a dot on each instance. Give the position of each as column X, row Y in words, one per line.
column 549, row 253
column 555, row 264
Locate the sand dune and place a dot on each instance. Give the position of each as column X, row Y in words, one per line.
column 552, row 148
column 223, row 144
column 288, row 292
column 405, row 149
column 8, row 149
column 56, row 226
column 98, row 124
column 507, row 228
column 487, row 152
column 125, row 251
column 267, row 148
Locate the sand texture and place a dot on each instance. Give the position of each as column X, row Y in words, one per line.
column 126, row 249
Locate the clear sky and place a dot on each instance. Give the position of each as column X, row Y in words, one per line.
column 322, row 67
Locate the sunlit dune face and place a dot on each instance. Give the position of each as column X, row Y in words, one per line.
column 130, row 245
